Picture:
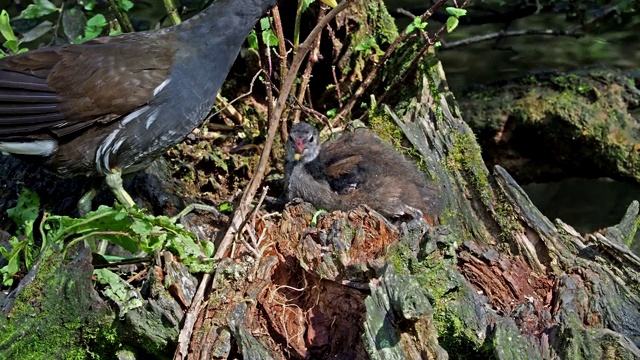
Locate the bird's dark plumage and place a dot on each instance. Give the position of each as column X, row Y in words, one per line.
column 114, row 104
column 357, row 168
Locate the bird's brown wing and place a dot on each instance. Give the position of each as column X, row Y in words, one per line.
column 64, row 89
column 343, row 166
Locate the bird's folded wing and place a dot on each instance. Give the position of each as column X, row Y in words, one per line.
column 343, row 166
column 60, row 90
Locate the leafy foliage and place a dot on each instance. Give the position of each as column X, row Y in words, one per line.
column 76, row 23
column 268, row 36
column 133, row 229
column 11, row 42
column 454, row 18
column 24, row 215
column 417, row 23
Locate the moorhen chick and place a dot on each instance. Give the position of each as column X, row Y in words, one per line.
column 356, row 168
column 110, row 106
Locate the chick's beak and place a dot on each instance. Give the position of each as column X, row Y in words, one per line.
column 298, row 148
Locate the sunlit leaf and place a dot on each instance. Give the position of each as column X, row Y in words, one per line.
column 452, row 23
column 456, row 11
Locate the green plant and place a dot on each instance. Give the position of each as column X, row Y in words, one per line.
column 11, row 41
column 454, row 17
column 268, row 36
column 417, row 23
column 368, row 46
column 133, row 229
column 78, row 23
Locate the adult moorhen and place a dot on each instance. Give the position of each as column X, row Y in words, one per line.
column 357, row 168
column 110, row 106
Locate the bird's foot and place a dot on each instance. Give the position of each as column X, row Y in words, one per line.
column 114, row 182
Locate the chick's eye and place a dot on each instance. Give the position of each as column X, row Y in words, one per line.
column 311, row 138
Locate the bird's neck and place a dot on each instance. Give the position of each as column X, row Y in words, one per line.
column 224, row 21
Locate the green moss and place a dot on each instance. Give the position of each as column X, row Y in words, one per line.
column 51, row 318
column 505, row 216
column 465, row 157
column 385, row 28
column 388, row 131
column 459, row 341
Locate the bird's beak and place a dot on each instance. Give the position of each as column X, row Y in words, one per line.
column 330, row 3
column 298, row 149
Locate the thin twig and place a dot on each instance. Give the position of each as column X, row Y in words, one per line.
column 277, row 22
column 254, row 249
column 227, row 109
column 190, row 319
column 367, row 81
column 244, row 242
column 505, row 34
column 313, row 113
column 282, row 49
column 312, row 60
column 243, row 209
column 122, row 17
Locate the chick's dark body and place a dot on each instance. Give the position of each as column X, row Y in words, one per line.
column 358, row 168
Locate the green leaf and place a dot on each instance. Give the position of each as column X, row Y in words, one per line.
column 417, row 23
column 226, row 207
column 125, row 5
column 265, row 23
column 253, row 40
column 270, row 39
column 12, row 45
column 218, row 158
column 13, row 259
column 118, row 291
column 142, row 228
column 305, row 4
column 74, row 22
column 456, row 11
column 39, row 8
column 268, row 36
column 5, row 27
column 410, row 28
column 452, row 23
column 87, row 4
column 94, row 28
column 38, row 31
column 25, row 213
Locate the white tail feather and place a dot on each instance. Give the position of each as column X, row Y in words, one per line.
column 38, row 147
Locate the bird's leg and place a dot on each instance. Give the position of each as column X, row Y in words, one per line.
column 84, row 204
column 114, row 182
column 84, row 207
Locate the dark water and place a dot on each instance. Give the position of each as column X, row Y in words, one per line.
column 585, row 204
column 611, row 44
